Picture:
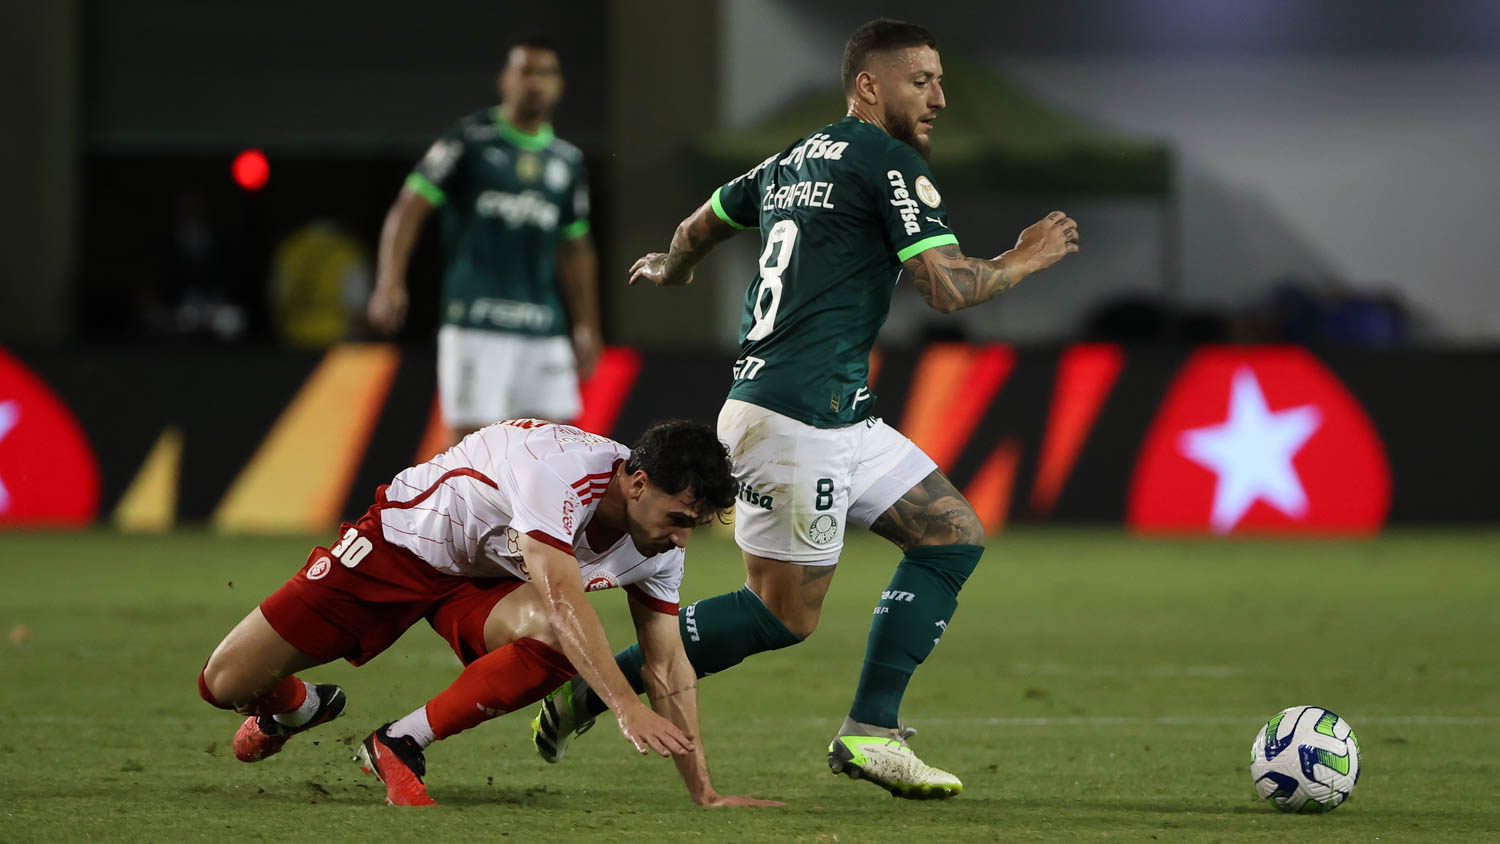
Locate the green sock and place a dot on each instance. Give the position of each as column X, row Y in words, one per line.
column 912, row 614
column 717, row 633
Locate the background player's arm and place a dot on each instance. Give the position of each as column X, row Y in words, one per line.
column 398, row 237
column 949, row 281
column 555, row 574
column 578, row 280
column 672, row 687
column 695, row 237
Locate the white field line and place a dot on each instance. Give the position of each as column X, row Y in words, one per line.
column 1158, row 721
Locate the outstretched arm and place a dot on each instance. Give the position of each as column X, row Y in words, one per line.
column 949, row 281
column 695, row 237
column 672, row 687
column 556, row 575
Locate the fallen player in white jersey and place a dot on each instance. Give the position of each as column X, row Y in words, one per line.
column 494, row 543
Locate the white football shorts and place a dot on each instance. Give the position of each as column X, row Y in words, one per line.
column 800, row 486
column 486, row 376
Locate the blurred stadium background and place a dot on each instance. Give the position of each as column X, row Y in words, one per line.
column 1254, row 178
column 1285, row 205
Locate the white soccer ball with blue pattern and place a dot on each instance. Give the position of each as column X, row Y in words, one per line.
column 1305, row 759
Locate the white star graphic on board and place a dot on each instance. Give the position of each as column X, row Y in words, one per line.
column 10, row 414
column 1251, row 452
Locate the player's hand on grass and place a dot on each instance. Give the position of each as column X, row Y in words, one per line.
column 649, row 731
column 387, row 308
column 714, row 801
column 1047, row 241
column 586, row 349
column 652, row 267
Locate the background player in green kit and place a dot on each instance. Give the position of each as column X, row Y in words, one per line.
column 519, row 260
column 840, row 212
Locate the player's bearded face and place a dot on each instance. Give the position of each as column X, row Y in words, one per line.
column 912, row 94
column 532, row 81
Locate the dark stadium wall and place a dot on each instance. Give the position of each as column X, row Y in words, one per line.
column 1227, row 439
column 356, row 77
column 39, row 95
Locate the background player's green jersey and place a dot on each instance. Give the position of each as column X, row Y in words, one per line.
column 506, row 199
column 838, row 211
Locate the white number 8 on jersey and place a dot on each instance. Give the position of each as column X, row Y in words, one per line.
column 783, row 234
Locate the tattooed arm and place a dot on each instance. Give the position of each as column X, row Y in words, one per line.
column 949, row 281
column 695, row 237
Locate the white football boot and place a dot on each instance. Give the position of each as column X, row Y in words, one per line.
column 881, row 756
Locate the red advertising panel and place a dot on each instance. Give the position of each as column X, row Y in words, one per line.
column 1259, row 440
column 48, row 474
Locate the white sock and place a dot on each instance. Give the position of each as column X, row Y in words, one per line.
column 304, row 713
column 416, row 727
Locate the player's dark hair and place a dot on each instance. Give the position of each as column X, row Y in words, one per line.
column 534, row 41
column 879, row 36
column 680, row 455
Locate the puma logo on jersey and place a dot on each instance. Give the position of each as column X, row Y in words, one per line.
column 518, row 209
column 901, row 199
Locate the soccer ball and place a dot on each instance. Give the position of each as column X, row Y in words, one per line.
column 1305, row 759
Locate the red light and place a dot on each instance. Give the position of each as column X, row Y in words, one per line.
column 250, row 169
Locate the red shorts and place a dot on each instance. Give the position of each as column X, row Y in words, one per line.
column 333, row 610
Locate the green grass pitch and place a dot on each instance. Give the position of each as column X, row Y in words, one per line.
column 1092, row 686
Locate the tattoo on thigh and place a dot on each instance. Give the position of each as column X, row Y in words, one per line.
column 812, row 573
column 931, row 513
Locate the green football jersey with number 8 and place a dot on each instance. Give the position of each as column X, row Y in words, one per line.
column 838, row 212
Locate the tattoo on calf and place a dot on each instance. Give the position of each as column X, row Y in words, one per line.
column 931, row 513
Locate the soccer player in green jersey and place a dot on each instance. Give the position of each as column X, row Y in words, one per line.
column 840, row 211
column 514, row 204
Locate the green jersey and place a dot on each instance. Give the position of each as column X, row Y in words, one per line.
column 838, row 212
column 506, row 199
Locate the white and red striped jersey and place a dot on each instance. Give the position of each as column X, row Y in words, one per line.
column 464, row 511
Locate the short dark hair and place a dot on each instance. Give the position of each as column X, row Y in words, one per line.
column 681, row 455
column 882, row 35
column 535, row 41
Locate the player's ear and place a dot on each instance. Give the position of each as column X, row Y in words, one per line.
column 635, row 485
column 866, row 88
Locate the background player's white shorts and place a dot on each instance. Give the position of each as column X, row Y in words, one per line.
column 816, row 479
column 485, row 376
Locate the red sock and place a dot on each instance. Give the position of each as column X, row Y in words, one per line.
column 286, row 695
column 501, row 681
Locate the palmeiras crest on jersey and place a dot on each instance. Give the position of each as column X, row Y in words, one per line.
column 823, row 529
